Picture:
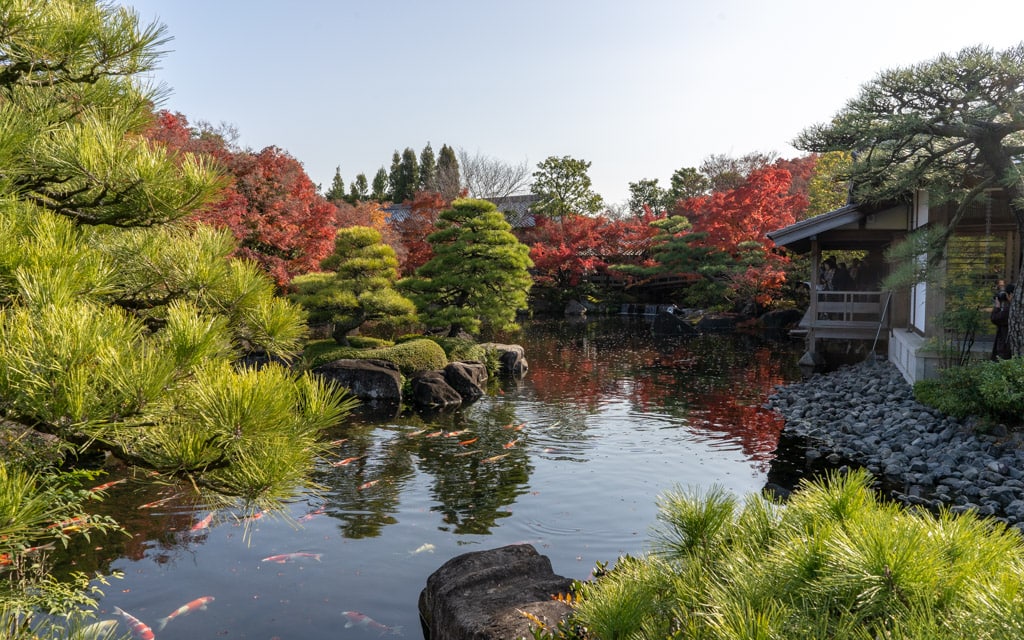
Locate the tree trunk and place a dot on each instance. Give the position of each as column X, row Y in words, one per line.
column 1015, row 327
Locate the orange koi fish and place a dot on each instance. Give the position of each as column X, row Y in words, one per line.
column 470, row 441
column 346, row 461
column 509, row 444
column 456, row 434
column 199, row 604
column 107, row 485
column 312, row 514
column 204, row 523
column 413, row 434
column 494, row 458
column 367, row 485
column 255, row 516
column 434, row 434
column 70, row 523
column 138, row 627
column 356, row 619
column 291, row 557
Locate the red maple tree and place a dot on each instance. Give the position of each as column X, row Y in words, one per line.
column 271, row 206
column 414, row 228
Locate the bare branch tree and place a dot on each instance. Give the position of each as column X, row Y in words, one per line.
column 490, row 178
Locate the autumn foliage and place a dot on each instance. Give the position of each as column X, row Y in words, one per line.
column 271, row 206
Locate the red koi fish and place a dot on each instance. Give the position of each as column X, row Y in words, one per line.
column 138, row 627
column 204, row 523
column 470, row 441
column 346, row 461
column 291, row 557
column 367, row 485
column 356, row 619
column 319, row 511
column 107, row 485
column 199, row 604
column 494, row 458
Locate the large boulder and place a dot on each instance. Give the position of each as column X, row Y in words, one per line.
column 512, row 358
column 368, row 380
column 482, row 595
column 575, row 308
column 430, row 390
column 667, row 323
column 468, row 378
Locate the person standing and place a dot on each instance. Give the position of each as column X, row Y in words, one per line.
column 1000, row 317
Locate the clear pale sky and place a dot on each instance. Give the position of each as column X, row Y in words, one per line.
column 639, row 88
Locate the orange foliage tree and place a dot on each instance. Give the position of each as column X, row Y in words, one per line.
column 414, row 228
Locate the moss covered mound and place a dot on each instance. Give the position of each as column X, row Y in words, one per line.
column 409, row 357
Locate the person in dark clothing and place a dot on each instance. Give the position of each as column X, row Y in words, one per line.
column 842, row 281
column 1000, row 317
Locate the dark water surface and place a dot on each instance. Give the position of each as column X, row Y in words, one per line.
column 570, row 459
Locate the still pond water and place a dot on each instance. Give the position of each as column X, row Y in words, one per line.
column 571, row 459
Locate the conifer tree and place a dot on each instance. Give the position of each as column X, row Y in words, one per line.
column 359, row 189
column 379, row 190
column 396, row 167
column 479, row 274
column 428, row 170
column 337, row 190
column 358, row 285
column 408, row 176
column 449, row 181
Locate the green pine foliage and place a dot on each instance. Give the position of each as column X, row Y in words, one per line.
column 479, row 274
column 358, row 286
column 835, row 562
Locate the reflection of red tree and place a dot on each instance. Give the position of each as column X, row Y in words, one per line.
column 716, row 393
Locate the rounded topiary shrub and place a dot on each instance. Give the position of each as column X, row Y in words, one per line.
column 410, row 357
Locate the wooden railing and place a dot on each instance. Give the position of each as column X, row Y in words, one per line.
column 847, row 315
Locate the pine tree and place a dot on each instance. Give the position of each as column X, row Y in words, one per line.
column 449, row 181
column 393, row 177
column 428, row 170
column 359, row 189
column 358, row 286
column 479, row 273
column 408, row 176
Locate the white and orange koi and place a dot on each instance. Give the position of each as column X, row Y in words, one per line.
column 138, row 628
column 494, row 458
column 456, row 434
column 338, row 443
column 367, row 485
column 356, row 619
column 107, row 485
column 434, row 434
column 70, row 524
column 199, row 604
column 515, row 427
column 157, row 503
column 413, row 434
column 204, row 523
column 291, row 557
column 346, row 461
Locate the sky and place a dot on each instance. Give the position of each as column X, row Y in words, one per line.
column 638, row 88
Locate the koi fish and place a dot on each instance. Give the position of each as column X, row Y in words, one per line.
column 515, row 427
column 157, row 503
column 204, row 523
column 319, row 511
column 464, row 454
column 291, row 557
column 107, row 485
column 470, row 441
column 494, row 458
column 434, row 434
column 509, row 444
column 346, row 461
column 423, row 548
column 338, row 443
column 70, row 523
column 367, row 485
column 199, row 604
column 413, row 434
column 356, row 619
column 456, row 434
column 138, row 627
column 255, row 516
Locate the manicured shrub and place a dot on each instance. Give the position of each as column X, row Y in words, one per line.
column 368, row 342
column 993, row 391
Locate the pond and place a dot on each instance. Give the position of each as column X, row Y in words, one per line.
column 570, row 459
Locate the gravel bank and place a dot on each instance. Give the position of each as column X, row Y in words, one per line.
column 865, row 414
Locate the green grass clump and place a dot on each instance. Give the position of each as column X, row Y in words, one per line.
column 410, row 357
column 832, row 563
